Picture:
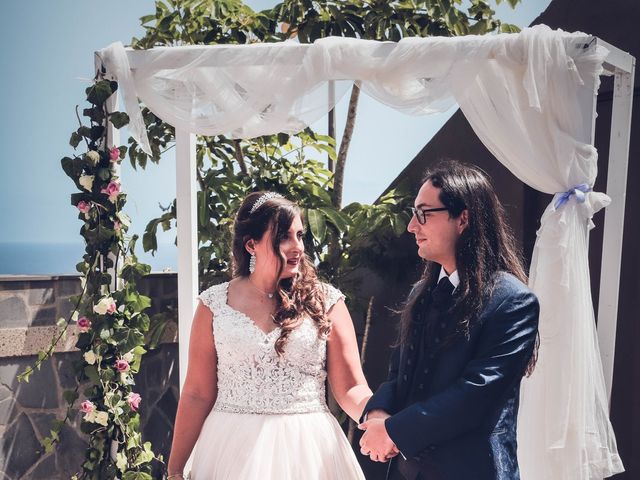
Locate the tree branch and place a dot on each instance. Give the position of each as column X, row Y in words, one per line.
column 338, row 177
column 239, row 157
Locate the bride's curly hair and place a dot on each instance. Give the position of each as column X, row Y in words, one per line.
column 296, row 296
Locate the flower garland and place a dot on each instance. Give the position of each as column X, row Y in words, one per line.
column 109, row 313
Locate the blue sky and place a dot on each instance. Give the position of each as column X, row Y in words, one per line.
column 47, row 61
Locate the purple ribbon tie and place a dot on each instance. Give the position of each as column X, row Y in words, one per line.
column 579, row 192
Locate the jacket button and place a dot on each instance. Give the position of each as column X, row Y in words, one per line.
column 404, row 377
column 421, row 386
column 425, row 371
column 437, row 340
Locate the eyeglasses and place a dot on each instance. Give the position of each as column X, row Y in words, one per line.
column 421, row 213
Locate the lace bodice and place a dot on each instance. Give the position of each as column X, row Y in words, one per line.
column 252, row 378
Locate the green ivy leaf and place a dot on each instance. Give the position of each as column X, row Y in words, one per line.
column 84, row 131
column 75, row 139
column 104, row 174
column 149, row 241
column 108, row 375
column 105, row 334
column 145, row 456
column 141, row 322
column 119, row 119
column 136, row 476
column 99, row 92
column 128, row 339
column 70, row 396
column 92, row 373
column 24, row 376
column 57, row 424
column 82, row 267
column 47, row 443
column 137, row 302
column 96, row 132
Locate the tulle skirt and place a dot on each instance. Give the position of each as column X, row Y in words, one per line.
column 301, row 446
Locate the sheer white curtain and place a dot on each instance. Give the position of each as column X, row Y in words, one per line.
column 526, row 96
column 536, row 122
column 245, row 91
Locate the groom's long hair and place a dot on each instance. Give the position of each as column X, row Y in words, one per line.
column 485, row 247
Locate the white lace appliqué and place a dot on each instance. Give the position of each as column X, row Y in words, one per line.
column 252, row 378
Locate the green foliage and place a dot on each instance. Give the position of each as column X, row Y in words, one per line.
column 376, row 20
column 110, row 310
column 193, row 22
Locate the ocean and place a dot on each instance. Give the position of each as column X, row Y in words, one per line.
column 25, row 258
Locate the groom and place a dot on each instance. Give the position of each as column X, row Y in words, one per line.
column 468, row 333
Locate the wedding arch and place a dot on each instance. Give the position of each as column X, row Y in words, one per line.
column 531, row 99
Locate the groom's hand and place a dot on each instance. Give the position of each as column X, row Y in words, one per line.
column 381, row 414
column 376, row 441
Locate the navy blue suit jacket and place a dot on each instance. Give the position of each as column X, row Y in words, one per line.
column 466, row 423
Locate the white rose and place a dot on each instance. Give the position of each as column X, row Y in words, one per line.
column 128, row 357
column 90, row 416
column 90, row 357
column 101, row 418
column 103, row 305
column 93, row 157
column 126, row 379
column 86, row 181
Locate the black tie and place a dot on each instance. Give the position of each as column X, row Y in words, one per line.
column 441, row 294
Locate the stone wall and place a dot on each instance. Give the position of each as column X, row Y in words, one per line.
column 29, row 308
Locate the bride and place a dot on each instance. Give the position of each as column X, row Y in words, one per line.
column 261, row 346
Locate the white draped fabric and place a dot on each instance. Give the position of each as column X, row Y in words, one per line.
column 541, row 134
column 526, row 95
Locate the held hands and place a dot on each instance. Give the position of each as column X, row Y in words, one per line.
column 376, row 441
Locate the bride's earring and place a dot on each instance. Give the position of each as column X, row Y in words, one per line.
column 252, row 263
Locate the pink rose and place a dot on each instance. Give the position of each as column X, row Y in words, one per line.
column 114, row 154
column 111, row 308
column 117, row 226
column 122, row 365
column 134, row 399
column 87, row 407
column 113, row 189
column 84, row 324
column 84, row 207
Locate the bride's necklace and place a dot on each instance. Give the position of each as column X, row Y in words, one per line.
column 269, row 295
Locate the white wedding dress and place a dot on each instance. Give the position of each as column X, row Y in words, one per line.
column 270, row 420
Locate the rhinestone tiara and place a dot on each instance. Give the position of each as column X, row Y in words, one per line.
column 265, row 197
